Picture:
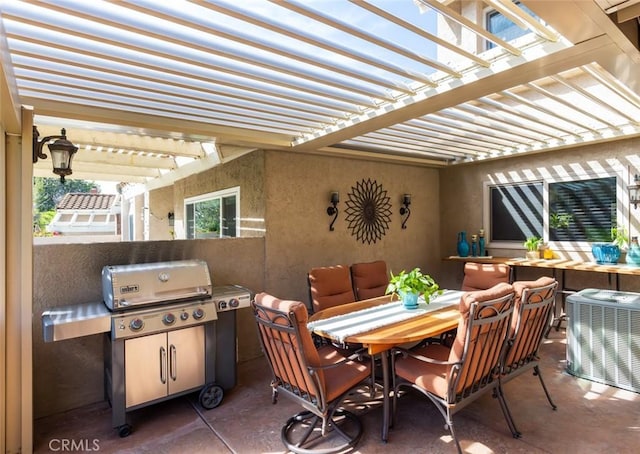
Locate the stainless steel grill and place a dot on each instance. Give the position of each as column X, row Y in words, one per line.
column 169, row 332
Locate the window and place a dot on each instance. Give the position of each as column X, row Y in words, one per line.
column 212, row 215
column 515, row 212
column 499, row 25
column 566, row 211
column 582, row 210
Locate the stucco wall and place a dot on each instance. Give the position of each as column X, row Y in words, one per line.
column 298, row 188
column 160, row 205
column 69, row 373
column 247, row 172
column 461, row 200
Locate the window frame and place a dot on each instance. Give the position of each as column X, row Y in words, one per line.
column 622, row 207
column 489, row 10
column 223, row 193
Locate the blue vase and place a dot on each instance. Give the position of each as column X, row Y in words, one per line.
column 481, row 251
column 410, row 300
column 463, row 246
column 633, row 254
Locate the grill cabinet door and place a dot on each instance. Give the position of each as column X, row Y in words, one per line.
column 186, row 351
column 145, row 365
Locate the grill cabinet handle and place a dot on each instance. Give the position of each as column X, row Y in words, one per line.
column 173, row 364
column 163, row 365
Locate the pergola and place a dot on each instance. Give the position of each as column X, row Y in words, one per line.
column 153, row 91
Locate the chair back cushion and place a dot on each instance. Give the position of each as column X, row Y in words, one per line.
column 482, row 276
column 330, row 286
column 533, row 308
column 370, row 279
column 481, row 335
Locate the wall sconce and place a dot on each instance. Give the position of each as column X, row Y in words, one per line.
column 406, row 201
column 171, row 218
column 333, row 209
column 634, row 191
column 62, row 152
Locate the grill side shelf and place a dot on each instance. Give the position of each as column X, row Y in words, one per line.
column 78, row 320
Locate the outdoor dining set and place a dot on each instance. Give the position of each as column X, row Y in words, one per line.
column 455, row 347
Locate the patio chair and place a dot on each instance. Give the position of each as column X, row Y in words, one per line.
column 453, row 377
column 330, row 286
column 481, row 276
column 370, row 279
column 317, row 378
column 533, row 310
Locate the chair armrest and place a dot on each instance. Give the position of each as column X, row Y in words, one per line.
column 423, row 358
column 357, row 356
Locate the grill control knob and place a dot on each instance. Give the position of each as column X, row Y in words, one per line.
column 222, row 305
column 169, row 319
column 198, row 313
column 233, row 302
column 136, row 324
column 184, row 316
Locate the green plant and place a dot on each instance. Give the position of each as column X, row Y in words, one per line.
column 532, row 243
column 619, row 236
column 558, row 221
column 413, row 281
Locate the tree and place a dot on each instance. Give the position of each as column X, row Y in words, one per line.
column 49, row 191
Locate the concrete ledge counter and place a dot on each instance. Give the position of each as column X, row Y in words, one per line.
column 603, row 337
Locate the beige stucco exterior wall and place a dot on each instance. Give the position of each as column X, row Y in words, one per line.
column 298, row 187
column 462, row 200
column 160, row 205
column 247, row 172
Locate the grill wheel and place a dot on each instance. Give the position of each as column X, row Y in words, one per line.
column 211, row 396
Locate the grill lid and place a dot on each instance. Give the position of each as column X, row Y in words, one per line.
column 127, row 286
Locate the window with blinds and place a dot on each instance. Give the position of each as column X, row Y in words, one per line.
column 515, row 212
column 582, row 210
column 578, row 211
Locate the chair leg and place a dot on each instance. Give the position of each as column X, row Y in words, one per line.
column 506, row 412
column 536, row 371
column 449, row 425
column 302, row 433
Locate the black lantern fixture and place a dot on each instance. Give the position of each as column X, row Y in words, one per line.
column 634, row 191
column 62, row 152
column 333, row 209
column 406, row 201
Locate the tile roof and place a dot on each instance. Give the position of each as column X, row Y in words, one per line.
column 86, row 201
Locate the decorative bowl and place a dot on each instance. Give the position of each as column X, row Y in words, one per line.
column 605, row 253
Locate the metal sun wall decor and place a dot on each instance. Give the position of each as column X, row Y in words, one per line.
column 368, row 211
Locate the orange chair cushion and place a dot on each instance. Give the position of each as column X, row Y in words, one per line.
column 370, row 279
column 482, row 276
column 330, row 286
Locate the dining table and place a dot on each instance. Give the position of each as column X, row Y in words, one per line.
column 382, row 323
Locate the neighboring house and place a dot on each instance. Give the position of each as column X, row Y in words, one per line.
column 87, row 214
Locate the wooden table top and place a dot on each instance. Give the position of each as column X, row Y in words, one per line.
column 558, row 264
column 384, row 338
column 577, row 265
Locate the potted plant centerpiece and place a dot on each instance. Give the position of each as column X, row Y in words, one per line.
column 532, row 244
column 409, row 286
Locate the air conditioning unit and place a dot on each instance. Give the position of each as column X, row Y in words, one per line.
column 603, row 337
